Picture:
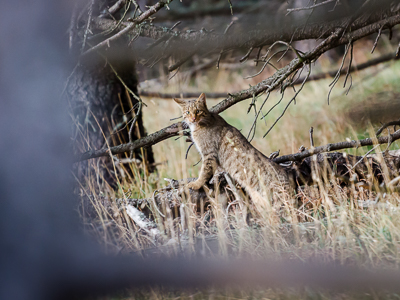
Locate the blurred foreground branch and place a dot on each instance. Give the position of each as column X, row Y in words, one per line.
column 180, row 95
column 180, row 43
column 45, row 254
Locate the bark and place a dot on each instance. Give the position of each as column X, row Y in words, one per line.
column 101, row 106
column 99, row 99
column 181, row 43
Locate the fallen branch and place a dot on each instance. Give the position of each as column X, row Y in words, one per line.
column 143, row 222
column 338, row 146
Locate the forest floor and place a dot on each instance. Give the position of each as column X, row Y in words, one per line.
column 332, row 225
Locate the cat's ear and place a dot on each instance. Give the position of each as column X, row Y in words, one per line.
column 202, row 99
column 181, row 102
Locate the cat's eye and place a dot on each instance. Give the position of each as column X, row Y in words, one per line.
column 187, row 112
column 197, row 111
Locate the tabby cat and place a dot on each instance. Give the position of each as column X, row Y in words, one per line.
column 223, row 146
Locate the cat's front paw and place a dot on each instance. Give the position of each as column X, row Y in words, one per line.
column 194, row 185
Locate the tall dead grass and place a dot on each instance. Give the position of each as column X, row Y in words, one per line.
column 326, row 221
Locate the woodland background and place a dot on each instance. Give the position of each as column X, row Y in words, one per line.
column 90, row 85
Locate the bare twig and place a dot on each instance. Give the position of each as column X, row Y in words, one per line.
column 107, row 41
column 72, row 26
column 290, row 102
column 337, row 76
column 137, row 8
column 187, row 151
column 364, row 156
column 311, row 137
column 230, row 5
column 290, row 10
column 119, row 22
column 181, row 61
column 117, row 6
column 276, row 104
column 89, row 20
column 348, row 69
column 133, row 125
column 369, row 63
column 377, row 38
column 253, row 126
column 386, row 125
column 258, row 55
column 125, row 85
column 246, row 56
column 152, row 10
column 267, row 62
column 222, row 50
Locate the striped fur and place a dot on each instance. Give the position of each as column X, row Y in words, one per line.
column 222, row 145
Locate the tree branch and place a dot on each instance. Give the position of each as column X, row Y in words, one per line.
column 180, row 95
column 145, row 15
column 309, row 7
column 386, row 125
column 365, row 65
column 203, row 40
column 268, row 84
column 117, row 6
column 338, row 146
column 144, row 142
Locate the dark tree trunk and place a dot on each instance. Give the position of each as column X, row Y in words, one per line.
column 101, row 106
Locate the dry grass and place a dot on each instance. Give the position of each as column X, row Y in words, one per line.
column 329, row 224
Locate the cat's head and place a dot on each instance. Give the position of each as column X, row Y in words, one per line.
column 193, row 111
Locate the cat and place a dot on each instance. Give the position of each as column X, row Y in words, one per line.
column 223, row 146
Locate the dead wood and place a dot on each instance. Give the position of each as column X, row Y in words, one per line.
column 339, row 146
column 332, row 167
column 174, row 129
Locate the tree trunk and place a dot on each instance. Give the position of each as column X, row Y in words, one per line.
column 102, row 108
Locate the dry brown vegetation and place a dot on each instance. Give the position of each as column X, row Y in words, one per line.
column 349, row 225
column 92, row 60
